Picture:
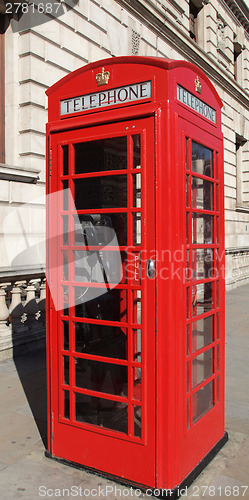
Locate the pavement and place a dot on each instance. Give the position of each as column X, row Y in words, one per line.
column 25, row 473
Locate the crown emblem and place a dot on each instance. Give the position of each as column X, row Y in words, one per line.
column 102, row 78
column 198, row 85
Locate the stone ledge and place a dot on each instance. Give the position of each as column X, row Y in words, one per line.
column 10, row 173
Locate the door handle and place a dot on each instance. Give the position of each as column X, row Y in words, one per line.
column 150, row 268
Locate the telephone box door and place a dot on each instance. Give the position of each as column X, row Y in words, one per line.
column 102, row 288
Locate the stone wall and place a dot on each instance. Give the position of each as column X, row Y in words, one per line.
column 88, row 30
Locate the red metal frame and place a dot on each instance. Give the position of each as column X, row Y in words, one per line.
column 170, row 448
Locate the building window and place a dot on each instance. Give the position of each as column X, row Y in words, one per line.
column 195, row 7
column 237, row 54
column 242, row 184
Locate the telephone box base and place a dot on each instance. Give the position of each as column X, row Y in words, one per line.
column 173, row 494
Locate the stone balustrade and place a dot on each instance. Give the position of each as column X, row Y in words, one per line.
column 22, row 316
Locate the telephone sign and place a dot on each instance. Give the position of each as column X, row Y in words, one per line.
column 135, row 271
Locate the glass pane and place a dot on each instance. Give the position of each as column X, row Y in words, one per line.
column 137, row 345
column 100, row 229
column 137, row 385
column 65, row 229
column 202, row 298
column 203, row 367
column 202, row 263
column 101, row 377
column 187, row 190
column 188, row 340
column 65, row 159
column 138, row 421
column 217, row 326
column 98, row 303
column 101, row 155
column 136, row 151
column 187, row 302
column 65, row 299
column 137, row 228
column 217, row 293
column 65, row 195
column 66, row 335
column 202, row 229
column 187, row 227
column 188, row 377
column 203, row 401
column 137, row 190
column 101, row 340
column 187, row 153
column 102, row 412
column 66, row 404
column 66, row 369
column 202, row 194
column 202, row 332
column 217, row 357
column 202, row 159
column 104, row 266
column 65, row 266
column 137, row 306
column 101, row 192
column 218, row 389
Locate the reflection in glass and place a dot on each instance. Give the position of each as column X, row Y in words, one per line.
column 65, row 195
column 66, row 369
column 66, row 335
column 187, row 153
column 218, row 389
column 137, row 306
column 65, row 292
column 65, row 159
column 202, row 194
column 101, row 340
column 187, row 190
column 101, row 377
column 100, row 229
column 202, row 228
column 187, row 227
column 137, row 228
column 203, row 367
column 101, row 192
column 202, row 159
column 202, row 298
column 65, row 266
column 137, row 190
column 137, row 345
column 188, row 377
column 101, row 155
column 136, row 151
column 99, row 266
column 203, row 401
column 65, row 229
column 101, row 412
column 188, row 340
column 138, row 421
column 202, row 332
column 99, row 303
column 66, row 404
column 137, row 386
column 202, row 263
column 217, row 357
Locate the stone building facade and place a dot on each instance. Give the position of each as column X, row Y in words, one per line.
column 41, row 43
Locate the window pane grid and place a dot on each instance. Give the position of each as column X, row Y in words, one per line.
column 202, row 191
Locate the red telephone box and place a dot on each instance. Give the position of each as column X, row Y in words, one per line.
column 136, row 270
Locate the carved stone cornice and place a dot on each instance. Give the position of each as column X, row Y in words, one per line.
column 240, row 11
column 174, row 34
